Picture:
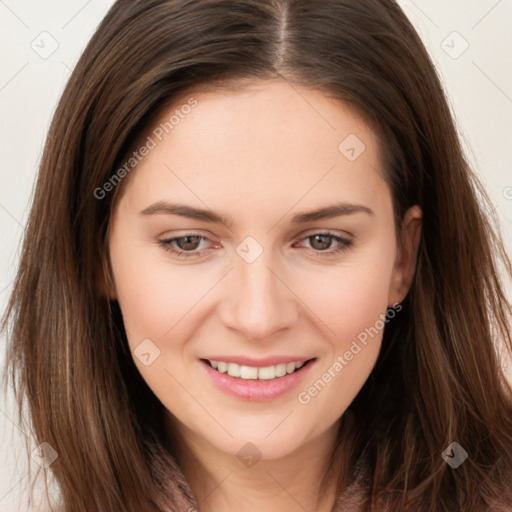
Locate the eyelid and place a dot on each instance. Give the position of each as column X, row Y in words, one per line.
column 304, row 234
column 319, row 231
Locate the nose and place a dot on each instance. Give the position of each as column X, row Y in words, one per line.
column 260, row 303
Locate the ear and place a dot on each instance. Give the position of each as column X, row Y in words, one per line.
column 405, row 263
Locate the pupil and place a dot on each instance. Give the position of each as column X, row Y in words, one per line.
column 187, row 242
column 325, row 245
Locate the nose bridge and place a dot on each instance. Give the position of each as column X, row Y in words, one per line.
column 259, row 302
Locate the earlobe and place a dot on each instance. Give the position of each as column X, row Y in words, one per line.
column 405, row 265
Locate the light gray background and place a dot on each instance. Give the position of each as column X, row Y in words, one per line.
column 478, row 82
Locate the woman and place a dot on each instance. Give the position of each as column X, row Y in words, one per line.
column 258, row 271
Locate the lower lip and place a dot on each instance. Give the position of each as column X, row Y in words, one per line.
column 252, row 389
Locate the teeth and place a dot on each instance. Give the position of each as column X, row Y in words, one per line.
column 234, row 370
column 250, row 372
column 267, row 373
column 290, row 367
column 281, row 370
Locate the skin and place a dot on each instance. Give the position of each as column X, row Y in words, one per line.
column 260, row 155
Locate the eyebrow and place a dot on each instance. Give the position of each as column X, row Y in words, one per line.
column 327, row 212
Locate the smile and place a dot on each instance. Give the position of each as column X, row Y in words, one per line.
column 261, row 381
column 253, row 372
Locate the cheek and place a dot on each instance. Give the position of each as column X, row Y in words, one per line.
column 157, row 301
column 154, row 295
column 348, row 298
column 352, row 304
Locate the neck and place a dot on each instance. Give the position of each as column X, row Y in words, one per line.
column 301, row 480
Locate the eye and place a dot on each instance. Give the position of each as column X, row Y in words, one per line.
column 322, row 242
column 187, row 243
column 187, row 246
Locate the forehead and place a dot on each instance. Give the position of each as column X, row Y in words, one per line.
column 270, row 140
column 264, row 114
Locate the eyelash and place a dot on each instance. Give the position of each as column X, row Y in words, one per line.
column 345, row 244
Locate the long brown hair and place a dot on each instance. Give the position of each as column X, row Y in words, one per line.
column 438, row 377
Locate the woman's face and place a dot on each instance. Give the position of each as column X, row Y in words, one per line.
column 273, row 285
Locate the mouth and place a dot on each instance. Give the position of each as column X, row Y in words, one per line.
column 257, row 380
column 257, row 373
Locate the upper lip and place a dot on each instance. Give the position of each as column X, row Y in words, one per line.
column 259, row 363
